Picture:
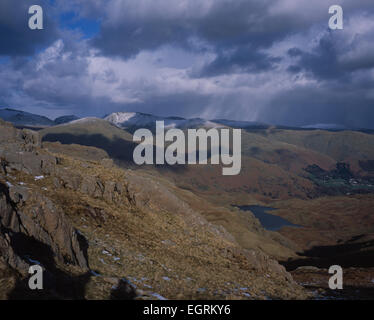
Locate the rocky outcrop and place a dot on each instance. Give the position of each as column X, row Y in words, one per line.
column 33, row 229
column 111, row 191
column 35, row 217
column 19, row 150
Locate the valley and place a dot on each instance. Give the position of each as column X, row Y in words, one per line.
column 320, row 182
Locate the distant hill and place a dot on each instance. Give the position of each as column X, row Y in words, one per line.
column 242, row 124
column 131, row 121
column 22, row 118
column 65, row 119
column 325, row 126
column 339, row 145
column 93, row 132
column 262, row 157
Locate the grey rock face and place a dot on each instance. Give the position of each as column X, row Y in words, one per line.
column 41, row 222
column 31, row 226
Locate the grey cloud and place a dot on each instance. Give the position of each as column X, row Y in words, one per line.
column 242, row 60
column 221, row 23
column 322, row 62
column 225, row 24
column 334, row 57
column 310, row 105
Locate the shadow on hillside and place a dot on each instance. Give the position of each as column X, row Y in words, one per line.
column 345, row 255
column 118, row 149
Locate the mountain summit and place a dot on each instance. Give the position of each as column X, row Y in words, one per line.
column 137, row 119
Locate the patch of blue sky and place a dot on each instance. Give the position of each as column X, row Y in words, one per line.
column 88, row 27
column 4, row 60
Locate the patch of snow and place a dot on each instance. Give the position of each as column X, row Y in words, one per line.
column 34, row 261
column 166, row 278
column 140, row 257
column 168, row 242
column 130, row 281
column 158, row 296
column 39, row 178
column 119, row 118
column 95, row 273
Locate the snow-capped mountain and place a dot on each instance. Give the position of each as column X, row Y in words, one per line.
column 22, row 118
column 137, row 120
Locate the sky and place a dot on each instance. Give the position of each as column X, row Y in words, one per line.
column 273, row 61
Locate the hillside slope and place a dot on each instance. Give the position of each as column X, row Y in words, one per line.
column 137, row 237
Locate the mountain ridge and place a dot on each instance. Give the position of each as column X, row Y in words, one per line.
column 134, row 120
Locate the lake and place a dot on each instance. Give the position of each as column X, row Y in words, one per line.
column 268, row 221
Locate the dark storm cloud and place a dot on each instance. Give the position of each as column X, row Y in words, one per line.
column 325, row 62
column 322, row 62
column 221, row 24
column 129, row 27
column 241, row 27
column 236, row 31
column 242, row 60
column 301, row 106
column 16, row 37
